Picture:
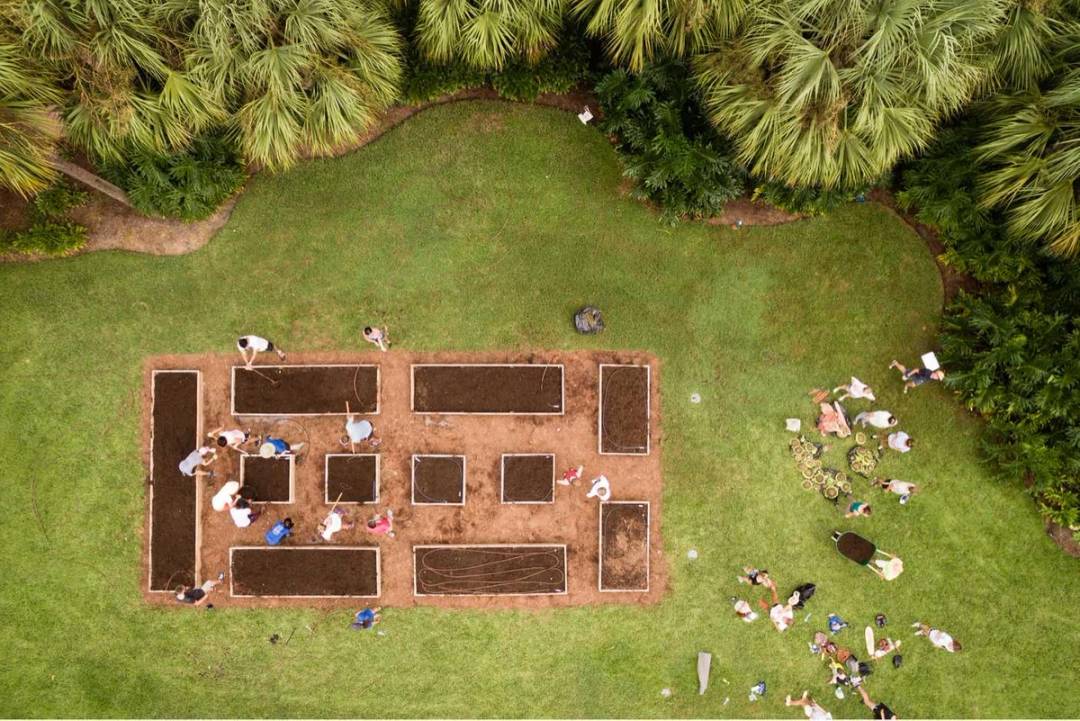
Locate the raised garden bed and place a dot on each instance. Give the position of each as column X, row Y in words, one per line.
column 492, row 389
column 355, row 476
column 304, row 571
column 490, row 570
column 438, row 480
column 528, row 478
column 174, row 497
column 268, row 480
column 623, row 417
column 305, row 390
column 624, row 546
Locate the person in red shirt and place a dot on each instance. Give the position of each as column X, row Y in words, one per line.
column 382, row 524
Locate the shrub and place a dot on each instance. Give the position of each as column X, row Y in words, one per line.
column 804, row 200
column 677, row 159
column 50, row 231
column 55, row 201
column 189, row 185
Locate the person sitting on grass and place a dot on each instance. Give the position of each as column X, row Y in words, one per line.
column 756, row 577
column 810, row 707
column 366, row 618
column 917, row 376
column 877, row 419
column 901, row 442
column 855, row 389
column 200, row 458
column 234, row 439
column 782, row 615
column 857, row 509
column 376, row 336
column 833, row 419
column 878, row 710
column 937, row 637
column 743, row 610
column 197, row 595
column 251, row 345
column 901, row 488
column 382, row 524
column 887, row 569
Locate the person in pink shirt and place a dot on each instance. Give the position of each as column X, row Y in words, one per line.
column 382, row 524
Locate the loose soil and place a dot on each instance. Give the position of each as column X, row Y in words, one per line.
column 528, row 479
column 267, row 479
column 488, row 389
column 624, row 557
column 572, row 519
column 624, row 421
column 354, row 477
column 173, row 512
column 319, row 571
column 297, row 390
column 438, row 479
column 486, row 571
column 856, row 548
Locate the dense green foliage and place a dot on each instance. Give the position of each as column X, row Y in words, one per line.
column 477, row 226
column 189, row 185
column 802, row 199
column 676, row 158
column 50, row 231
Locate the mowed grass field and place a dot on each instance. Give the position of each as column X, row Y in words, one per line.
column 484, row 226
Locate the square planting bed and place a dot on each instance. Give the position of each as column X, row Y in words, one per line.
column 490, row 570
column 269, row 480
column 528, row 478
column 489, row 388
column 623, row 418
column 174, row 511
column 355, row 476
column 624, row 546
column 304, row 571
column 438, row 480
column 305, row 390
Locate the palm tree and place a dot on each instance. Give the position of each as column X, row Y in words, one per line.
column 832, row 93
column 293, row 75
column 1032, row 149
column 640, row 31
column 28, row 130
column 486, row 34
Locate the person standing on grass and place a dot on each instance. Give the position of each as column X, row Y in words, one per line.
column 857, row 509
column 254, row 345
column 901, row 442
column 937, row 637
column 855, row 389
column 366, row 618
column 377, row 336
column 878, row 419
column 879, row 711
column 382, row 524
column 242, row 513
column 900, row 488
column 917, row 376
column 197, row 595
column 810, row 707
column 234, row 439
column 199, row 459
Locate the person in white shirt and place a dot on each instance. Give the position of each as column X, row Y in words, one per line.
column 234, row 438
column 255, row 345
column 810, row 707
column 356, row 431
column 198, row 459
column 855, row 389
column 901, row 442
column 937, row 637
column 900, row 488
column 335, row 521
column 743, row 610
column 878, row 419
column 241, row 513
column 377, row 336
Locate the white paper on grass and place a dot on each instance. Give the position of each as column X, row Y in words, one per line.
column 793, row 424
column 930, row 361
column 585, row 115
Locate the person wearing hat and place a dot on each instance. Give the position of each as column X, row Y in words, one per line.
column 254, row 345
column 271, row 446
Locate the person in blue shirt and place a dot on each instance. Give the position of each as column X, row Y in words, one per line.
column 271, row 446
column 279, row 531
column 366, row 619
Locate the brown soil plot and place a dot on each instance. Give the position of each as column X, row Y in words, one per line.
column 528, row 478
column 174, row 496
column 352, row 476
column 623, row 419
column 624, row 546
column 305, row 390
column 438, row 480
column 268, row 480
column 497, row 389
column 489, row 570
column 305, row 571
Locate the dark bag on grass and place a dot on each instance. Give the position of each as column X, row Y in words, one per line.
column 805, row 591
column 897, row 661
column 864, row 669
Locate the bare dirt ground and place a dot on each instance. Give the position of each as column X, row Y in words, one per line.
column 572, row 519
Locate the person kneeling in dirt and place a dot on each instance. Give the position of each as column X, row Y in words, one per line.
column 242, row 514
column 269, row 447
column 382, row 524
column 200, row 458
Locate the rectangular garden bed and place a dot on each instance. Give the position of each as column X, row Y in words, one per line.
column 490, row 570
column 174, row 511
column 305, row 390
column 624, row 546
column 304, row 571
column 488, row 388
column 438, row 480
column 527, row 478
column 355, row 476
column 623, row 417
column 268, row 480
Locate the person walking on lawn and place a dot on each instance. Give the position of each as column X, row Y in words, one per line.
column 254, row 345
column 900, row 488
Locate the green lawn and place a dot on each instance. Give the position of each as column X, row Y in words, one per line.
column 483, row 225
